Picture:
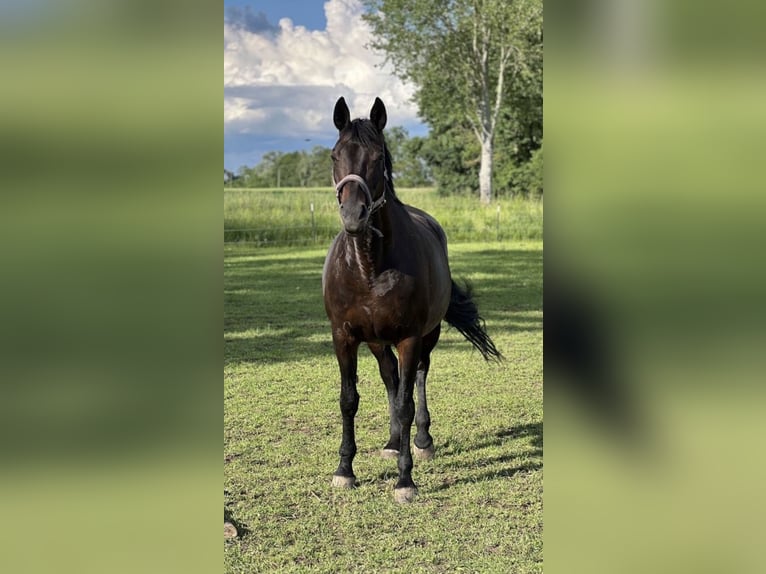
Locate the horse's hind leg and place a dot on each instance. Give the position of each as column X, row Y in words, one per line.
column 389, row 372
column 404, row 407
column 424, row 443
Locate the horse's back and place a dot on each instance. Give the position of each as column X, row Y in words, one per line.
column 434, row 242
column 427, row 223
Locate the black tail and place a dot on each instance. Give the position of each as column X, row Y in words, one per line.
column 464, row 316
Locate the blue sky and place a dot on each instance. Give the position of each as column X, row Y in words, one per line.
column 286, row 62
column 308, row 13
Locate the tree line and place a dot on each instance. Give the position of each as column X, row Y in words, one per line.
column 435, row 160
column 478, row 70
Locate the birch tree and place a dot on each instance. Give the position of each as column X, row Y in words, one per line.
column 460, row 55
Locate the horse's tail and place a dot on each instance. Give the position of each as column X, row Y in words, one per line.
column 463, row 314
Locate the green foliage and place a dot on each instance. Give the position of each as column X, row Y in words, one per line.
column 530, row 176
column 283, row 216
column 480, row 502
column 453, row 154
column 478, row 71
column 525, row 180
column 294, row 169
column 410, row 166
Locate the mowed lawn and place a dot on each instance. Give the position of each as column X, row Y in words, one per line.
column 480, row 502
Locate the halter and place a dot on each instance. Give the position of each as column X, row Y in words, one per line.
column 373, row 206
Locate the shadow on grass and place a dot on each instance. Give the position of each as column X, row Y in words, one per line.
column 505, row 465
column 481, row 468
column 505, row 472
column 273, row 307
column 532, row 430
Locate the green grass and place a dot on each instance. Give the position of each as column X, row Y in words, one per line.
column 480, row 502
column 283, row 216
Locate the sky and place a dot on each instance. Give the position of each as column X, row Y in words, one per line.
column 285, row 64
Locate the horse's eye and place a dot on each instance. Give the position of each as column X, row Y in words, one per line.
column 334, row 157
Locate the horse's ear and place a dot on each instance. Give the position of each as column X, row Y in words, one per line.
column 341, row 116
column 378, row 114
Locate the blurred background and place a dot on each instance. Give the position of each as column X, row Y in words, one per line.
column 655, row 118
column 110, row 408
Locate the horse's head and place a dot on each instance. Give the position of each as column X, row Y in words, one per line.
column 360, row 168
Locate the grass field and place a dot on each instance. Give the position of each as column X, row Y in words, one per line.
column 268, row 217
column 480, row 502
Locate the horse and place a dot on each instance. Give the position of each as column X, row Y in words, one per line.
column 386, row 282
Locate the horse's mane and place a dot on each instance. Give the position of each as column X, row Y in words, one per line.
column 367, row 134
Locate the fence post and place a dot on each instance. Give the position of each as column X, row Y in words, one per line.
column 497, row 235
column 313, row 224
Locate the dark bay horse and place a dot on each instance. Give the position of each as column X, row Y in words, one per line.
column 387, row 282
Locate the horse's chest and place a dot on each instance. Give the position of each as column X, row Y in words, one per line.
column 383, row 309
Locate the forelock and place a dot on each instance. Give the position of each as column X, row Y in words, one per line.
column 363, row 132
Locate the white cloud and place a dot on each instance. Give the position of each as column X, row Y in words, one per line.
column 285, row 83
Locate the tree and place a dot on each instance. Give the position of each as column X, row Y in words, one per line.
column 321, row 166
column 460, row 54
column 410, row 167
column 229, row 177
column 453, row 154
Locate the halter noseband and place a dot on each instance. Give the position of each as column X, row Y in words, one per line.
column 373, row 206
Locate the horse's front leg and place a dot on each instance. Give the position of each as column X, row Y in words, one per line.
column 346, row 348
column 409, row 356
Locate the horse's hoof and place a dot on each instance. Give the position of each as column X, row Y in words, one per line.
column 229, row 530
column 343, row 481
column 424, row 453
column 389, row 453
column 404, row 495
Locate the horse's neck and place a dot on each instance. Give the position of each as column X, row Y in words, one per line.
column 369, row 251
column 361, row 255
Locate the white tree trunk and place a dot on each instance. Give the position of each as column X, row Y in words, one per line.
column 485, row 171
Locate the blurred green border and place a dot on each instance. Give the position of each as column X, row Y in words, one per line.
column 110, row 238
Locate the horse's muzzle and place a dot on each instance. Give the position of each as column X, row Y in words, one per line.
column 354, row 216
